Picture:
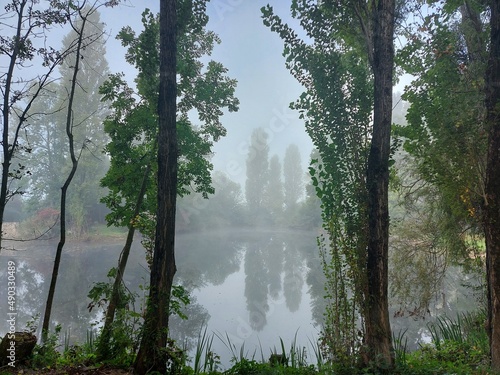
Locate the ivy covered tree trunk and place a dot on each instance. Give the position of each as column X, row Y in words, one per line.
column 492, row 187
column 152, row 355
column 378, row 344
column 349, row 64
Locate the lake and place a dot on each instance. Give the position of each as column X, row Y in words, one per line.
column 251, row 287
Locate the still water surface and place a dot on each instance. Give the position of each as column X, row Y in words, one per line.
column 253, row 287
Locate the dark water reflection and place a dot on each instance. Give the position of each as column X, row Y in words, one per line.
column 252, row 287
column 256, row 287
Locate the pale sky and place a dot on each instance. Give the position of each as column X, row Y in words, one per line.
column 252, row 53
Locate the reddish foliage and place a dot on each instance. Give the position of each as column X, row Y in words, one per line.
column 47, row 214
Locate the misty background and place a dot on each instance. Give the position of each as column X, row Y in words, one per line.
column 229, row 281
column 253, row 57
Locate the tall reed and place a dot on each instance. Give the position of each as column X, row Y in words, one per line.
column 205, row 360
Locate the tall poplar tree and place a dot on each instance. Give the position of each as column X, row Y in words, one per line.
column 273, row 195
column 47, row 137
column 347, row 38
column 257, row 164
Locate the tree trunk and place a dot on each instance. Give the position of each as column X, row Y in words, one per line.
column 152, row 355
column 378, row 338
column 103, row 348
column 5, row 169
column 64, row 189
column 6, row 151
column 492, row 187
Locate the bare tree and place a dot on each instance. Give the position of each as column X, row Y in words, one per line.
column 83, row 13
column 29, row 25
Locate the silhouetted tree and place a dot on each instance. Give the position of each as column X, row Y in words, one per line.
column 273, row 195
column 257, row 175
column 294, row 179
column 152, row 355
column 378, row 340
column 133, row 128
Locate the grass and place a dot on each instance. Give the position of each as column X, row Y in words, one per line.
column 400, row 343
column 236, row 355
column 453, row 355
column 205, row 359
column 101, row 231
column 459, row 346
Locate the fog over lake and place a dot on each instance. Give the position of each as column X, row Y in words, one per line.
column 251, row 286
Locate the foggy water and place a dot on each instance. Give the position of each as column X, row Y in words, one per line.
column 258, row 288
column 253, row 287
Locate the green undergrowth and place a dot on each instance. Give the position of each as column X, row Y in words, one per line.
column 458, row 346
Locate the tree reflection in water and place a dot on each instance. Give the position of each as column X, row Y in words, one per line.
column 254, row 286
